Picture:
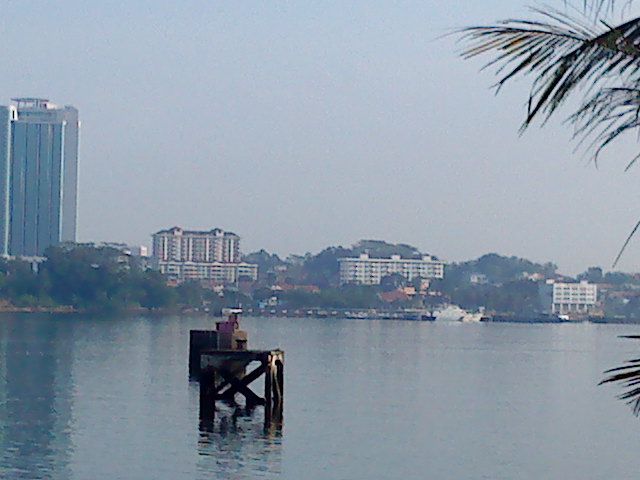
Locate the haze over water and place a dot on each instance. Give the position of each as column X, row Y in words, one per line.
column 110, row 398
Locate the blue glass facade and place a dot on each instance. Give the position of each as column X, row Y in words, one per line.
column 38, row 166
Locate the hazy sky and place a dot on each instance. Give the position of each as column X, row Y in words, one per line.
column 302, row 124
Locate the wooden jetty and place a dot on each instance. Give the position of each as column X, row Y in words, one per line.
column 219, row 359
column 223, row 375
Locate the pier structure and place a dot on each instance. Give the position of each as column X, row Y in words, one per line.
column 220, row 359
column 224, row 375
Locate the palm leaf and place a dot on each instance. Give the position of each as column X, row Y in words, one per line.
column 624, row 246
column 596, row 7
column 629, row 376
column 608, row 114
column 562, row 52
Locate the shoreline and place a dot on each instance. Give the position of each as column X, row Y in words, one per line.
column 139, row 311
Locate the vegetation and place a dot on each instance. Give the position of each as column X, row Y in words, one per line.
column 568, row 54
column 83, row 277
column 348, row 296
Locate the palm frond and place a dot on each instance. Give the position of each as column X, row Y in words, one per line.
column 596, row 7
column 629, row 376
column 608, row 114
column 561, row 51
column 624, row 246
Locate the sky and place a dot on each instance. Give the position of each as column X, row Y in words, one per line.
column 303, row 124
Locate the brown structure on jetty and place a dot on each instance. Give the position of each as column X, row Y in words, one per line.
column 220, row 359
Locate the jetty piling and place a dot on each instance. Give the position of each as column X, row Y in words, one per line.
column 220, row 380
column 219, row 359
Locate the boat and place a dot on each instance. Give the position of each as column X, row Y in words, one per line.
column 471, row 317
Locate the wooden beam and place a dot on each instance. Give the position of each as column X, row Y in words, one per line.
column 238, row 386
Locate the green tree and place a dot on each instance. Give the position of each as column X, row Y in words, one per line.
column 593, row 275
column 392, row 282
column 323, row 269
column 380, row 248
column 154, row 291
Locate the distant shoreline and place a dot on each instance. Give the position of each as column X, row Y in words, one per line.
column 68, row 310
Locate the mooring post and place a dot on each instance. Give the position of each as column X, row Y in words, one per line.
column 220, row 380
column 280, row 365
column 207, row 397
column 200, row 340
column 277, row 386
column 268, row 402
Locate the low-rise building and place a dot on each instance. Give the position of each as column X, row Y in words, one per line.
column 568, row 298
column 216, row 272
column 364, row 270
column 478, row 279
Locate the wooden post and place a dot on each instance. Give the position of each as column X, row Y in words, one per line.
column 207, row 400
column 200, row 340
column 277, row 372
column 268, row 403
column 220, row 380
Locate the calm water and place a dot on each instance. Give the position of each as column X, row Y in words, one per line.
column 110, row 399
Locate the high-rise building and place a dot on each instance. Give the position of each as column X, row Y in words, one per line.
column 38, row 175
column 212, row 256
column 180, row 245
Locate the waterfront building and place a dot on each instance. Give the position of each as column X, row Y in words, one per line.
column 566, row 298
column 214, row 272
column 178, row 245
column 38, row 176
column 365, row 270
column 210, row 256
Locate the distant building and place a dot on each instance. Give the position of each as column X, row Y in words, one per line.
column 215, row 272
column 135, row 250
column 178, row 245
column 568, row 298
column 534, row 277
column 370, row 271
column 38, row 176
column 139, row 250
column 478, row 278
column 209, row 256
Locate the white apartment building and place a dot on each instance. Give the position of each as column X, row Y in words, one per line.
column 212, row 255
column 215, row 272
column 180, row 245
column 567, row 298
column 370, row 271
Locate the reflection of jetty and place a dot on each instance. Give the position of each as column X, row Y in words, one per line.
column 219, row 359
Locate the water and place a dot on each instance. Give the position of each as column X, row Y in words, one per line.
column 92, row 399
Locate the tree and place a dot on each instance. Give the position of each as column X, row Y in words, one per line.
column 392, row 282
column 593, row 275
column 323, row 269
column 569, row 54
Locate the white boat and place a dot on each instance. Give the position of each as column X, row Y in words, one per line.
column 453, row 313
column 472, row 317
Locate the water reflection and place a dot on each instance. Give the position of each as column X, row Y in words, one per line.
column 235, row 444
column 35, row 405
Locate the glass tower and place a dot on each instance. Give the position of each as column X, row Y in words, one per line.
column 38, row 176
